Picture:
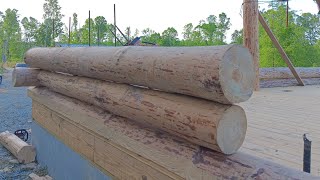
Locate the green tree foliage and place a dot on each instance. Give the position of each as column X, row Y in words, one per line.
column 52, row 26
column 169, row 37
column 296, row 40
column 30, row 26
column 237, row 37
column 11, row 35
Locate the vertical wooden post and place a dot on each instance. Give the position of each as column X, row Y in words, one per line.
column 115, row 24
column 69, row 31
column 251, row 34
column 89, row 29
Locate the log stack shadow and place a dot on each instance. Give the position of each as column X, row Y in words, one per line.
column 171, row 111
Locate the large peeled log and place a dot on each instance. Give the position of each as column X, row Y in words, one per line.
column 216, row 126
column 24, row 152
column 223, row 74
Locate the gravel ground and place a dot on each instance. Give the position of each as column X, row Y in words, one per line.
column 15, row 113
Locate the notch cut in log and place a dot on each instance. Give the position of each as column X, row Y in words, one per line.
column 216, row 126
column 149, row 153
column 223, row 74
column 25, row 77
column 280, row 49
column 24, row 152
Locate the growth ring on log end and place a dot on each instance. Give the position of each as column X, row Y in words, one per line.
column 236, row 74
column 231, row 129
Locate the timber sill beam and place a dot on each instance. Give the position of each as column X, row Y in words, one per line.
column 280, row 49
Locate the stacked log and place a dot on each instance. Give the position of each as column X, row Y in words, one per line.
column 216, row 126
column 187, row 92
column 223, row 74
column 285, row 73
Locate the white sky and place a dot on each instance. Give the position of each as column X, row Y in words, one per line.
column 140, row 14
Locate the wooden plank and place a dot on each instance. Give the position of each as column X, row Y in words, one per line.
column 276, row 123
column 280, row 49
column 251, row 34
column 93, row 148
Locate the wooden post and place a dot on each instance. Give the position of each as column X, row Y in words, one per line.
column 251, row 34
column 280, row 49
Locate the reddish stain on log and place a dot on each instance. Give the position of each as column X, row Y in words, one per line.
column 149, row 104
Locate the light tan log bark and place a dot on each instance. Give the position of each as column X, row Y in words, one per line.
column 280, row 49
column 158, row 151
column 213, row 125
column 251, row 35
column 24, row 152
column 25, row 77
column 285, row 73
column 223, row 74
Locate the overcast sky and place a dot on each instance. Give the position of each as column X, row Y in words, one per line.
column 140, row 14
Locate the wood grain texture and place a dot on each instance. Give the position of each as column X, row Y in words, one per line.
column 223, row 74
column 159, row 151
column 285, row 73
column 277, row 120
column 25, row 77
column 24, row 152
column 251, row 35
column 280, row 49
column 212, row 125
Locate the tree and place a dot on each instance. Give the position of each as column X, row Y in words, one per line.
column 292, row 39
column 187, row 31
column 84, row 32
column 101, row 28
column 310, row 23
column 237, row 37
column 30, row 26
column 222, row 26
column 11, row 34
column 53, row 20
column 169, row 37
column 74, row 22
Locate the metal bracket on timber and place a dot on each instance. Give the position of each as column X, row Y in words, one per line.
column 280, row 49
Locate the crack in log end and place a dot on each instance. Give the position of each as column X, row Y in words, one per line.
column 211, row 85
column 259, row 172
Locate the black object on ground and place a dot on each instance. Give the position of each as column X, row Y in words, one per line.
column 306, row 154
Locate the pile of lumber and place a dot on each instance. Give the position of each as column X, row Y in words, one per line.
column 150, row 113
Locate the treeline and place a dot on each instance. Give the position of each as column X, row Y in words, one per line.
column 301, row 39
